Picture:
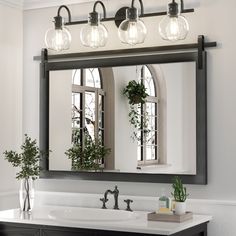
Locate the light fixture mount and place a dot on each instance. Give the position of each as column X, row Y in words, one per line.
column 94, row 34
column 93, row 16
column 129, row 12
column 173, row 8
column 58, row 20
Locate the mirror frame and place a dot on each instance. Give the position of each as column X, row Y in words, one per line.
column 112, row 60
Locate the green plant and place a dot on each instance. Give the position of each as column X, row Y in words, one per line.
column 27, row 160
column 135, row 92
column 180, row 192
column 89, row 157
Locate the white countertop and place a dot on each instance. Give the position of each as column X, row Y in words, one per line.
column 40, row 216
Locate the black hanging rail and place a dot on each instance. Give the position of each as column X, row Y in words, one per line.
column 201, row 45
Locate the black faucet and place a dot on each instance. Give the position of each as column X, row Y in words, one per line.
column 115, row 192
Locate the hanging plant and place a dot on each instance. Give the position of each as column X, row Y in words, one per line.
column 136, row 94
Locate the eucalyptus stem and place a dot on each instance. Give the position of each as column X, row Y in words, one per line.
column 27, row 205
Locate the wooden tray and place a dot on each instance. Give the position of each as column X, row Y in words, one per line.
column 169, row 218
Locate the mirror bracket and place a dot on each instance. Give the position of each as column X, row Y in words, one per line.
column 201, row 49
column 44, row 61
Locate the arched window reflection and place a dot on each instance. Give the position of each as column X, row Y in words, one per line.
column 87, row 106
column 148, row 148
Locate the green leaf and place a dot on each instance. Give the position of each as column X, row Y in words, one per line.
column 28, row 160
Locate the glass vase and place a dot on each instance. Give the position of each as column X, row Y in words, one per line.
column 26, row 194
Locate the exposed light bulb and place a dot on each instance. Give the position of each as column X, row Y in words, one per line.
column 132, row 30
column 58, row 38
column 132, row 33
column 94, row 34
column 173, row 27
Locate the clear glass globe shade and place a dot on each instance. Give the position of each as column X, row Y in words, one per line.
column 132, row 32
column 58, row 39
column 94, row 36
column 173, row 28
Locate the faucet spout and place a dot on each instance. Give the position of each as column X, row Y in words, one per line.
column 115, row 193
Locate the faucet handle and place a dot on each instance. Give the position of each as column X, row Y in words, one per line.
column 128, row 201
column 104, row 200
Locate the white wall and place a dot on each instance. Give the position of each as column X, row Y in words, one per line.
column 11, row 47
column 125, row 148
column 215, row 19
column 181, row 116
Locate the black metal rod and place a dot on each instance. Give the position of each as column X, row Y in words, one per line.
column 141, row 5
column 103, row 7
column 130, row 51
column 142, row 16
column 201, row 48
column 181, row 6
column 68, row 11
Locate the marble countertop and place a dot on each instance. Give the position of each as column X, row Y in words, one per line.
column 41, row 216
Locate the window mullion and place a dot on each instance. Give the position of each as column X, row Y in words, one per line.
column 96, row 114
column 144, row 136
column 83, row 119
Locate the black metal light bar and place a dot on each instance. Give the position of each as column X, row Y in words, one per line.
column 120, row 15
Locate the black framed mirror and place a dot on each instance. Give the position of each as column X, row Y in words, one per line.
column 51, row 70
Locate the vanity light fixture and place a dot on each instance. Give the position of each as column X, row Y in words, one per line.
column 59, row 37
column 94, row 34
column 132, row 30
column 174, row 26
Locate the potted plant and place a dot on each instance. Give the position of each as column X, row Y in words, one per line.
column 89, row 157
column 180, row 196
column 136, row 94
column 29, row 168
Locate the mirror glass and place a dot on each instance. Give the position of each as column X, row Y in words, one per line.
column 88, row 108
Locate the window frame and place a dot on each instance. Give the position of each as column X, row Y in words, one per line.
column 150, row 99
column 82, row 89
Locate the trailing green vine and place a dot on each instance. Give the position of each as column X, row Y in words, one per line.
column 136, row 94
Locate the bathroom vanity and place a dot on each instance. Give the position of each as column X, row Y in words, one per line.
column 64, row 221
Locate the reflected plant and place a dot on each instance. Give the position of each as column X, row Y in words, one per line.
column 88, row 157
column 139, row 122
column 136, row 94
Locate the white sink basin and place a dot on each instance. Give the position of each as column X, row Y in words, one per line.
column 91, row 214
